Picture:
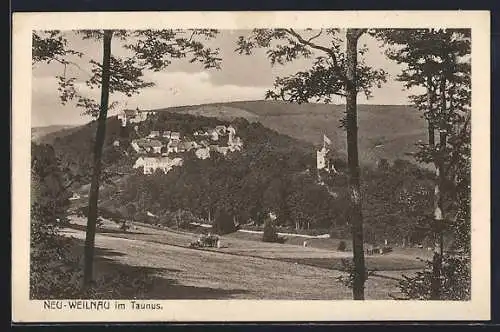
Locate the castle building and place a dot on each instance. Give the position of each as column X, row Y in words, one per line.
column 132, row 116
column 322, row 158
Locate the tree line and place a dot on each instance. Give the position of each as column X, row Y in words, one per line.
column 273, row 173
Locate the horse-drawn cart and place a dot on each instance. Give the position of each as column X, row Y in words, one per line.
column 210, row 241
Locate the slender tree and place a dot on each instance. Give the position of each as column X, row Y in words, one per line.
column 335, row 72
column 436, row 60
column 152, row 50
column 99, row 143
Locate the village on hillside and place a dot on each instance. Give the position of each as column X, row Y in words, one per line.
column 162, row 150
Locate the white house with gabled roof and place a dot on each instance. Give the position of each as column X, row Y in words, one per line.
column 151, row 164
column 175, row 135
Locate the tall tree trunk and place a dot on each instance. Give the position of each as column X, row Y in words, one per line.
column 99, row 143
column 430, row 104
column 438, row 199
column 431, row 130
column 355, row 217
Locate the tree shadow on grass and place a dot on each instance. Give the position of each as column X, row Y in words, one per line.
column 148, row 283
column 118, row 231
column 104, row 231
column 104, row 252
column 380, row 263
column 77, row 246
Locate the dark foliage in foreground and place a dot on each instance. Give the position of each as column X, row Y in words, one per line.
column 55, row 261
column 455, row 281
column 54, row 273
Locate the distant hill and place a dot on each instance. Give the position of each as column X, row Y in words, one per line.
column 385, row 131
column 222, row 111
column 37, row 133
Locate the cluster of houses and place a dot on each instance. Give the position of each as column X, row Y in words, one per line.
column 160, row 150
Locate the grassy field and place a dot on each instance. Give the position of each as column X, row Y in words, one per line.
column 244, row 268
column 182, row 273
column 194, row 274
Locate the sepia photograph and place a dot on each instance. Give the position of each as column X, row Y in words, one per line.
column 283, row 162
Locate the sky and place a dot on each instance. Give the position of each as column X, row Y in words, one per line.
column 241, row 77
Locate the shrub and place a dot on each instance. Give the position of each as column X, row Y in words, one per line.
column 55, row 266
column 270, row 233
column 223, row 223
column 54, row 273
column 349, row 268
column 110, row 214
column 455, row 281
column 342, row 246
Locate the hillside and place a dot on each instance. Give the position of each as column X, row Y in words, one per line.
column 385, row 131
column 74, row 146
column 39, row 133
column 273, row 172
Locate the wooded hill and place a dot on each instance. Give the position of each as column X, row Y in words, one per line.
column 385, row 131
column 273, row 172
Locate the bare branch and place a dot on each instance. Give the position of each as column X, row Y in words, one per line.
column 315, row 36
column 327, row 50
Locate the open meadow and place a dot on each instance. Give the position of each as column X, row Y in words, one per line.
column 244, row 268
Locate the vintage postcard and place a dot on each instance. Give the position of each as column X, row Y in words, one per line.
column 251, row 166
